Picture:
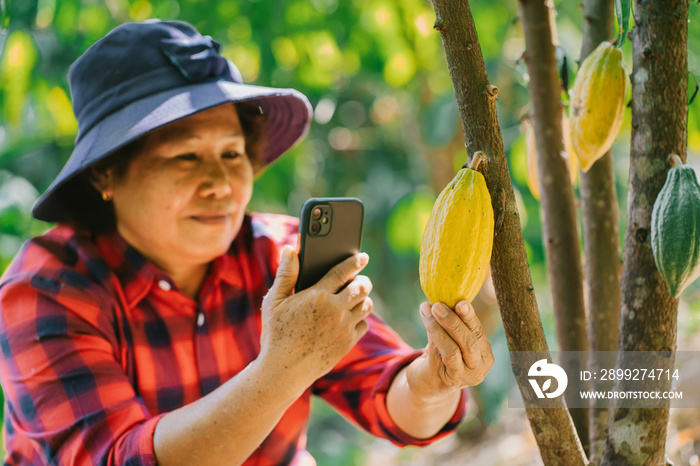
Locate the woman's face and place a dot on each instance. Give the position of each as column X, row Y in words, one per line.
column 183, row 198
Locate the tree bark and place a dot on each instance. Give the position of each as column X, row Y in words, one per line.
column 649, row 313
column 553, row 428
column 600, row 237
column 558, row 210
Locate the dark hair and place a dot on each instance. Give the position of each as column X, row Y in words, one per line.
column 84, row 201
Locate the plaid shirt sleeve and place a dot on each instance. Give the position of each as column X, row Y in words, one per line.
column 65, row 389
column 358, row 385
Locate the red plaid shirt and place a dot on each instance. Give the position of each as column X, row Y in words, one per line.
column 97, row 344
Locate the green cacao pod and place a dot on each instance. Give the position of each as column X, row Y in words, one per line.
column 675, row 228
column 457, row 240
column 597, row 104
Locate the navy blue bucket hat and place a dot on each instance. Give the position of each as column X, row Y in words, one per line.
column 142, row 76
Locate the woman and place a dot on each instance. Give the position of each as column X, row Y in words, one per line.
column 156, row 322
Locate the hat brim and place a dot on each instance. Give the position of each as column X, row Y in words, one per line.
column 287, row 116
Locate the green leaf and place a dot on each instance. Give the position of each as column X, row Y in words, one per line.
column 622, row 8
column 406, row 222
column 4, row 15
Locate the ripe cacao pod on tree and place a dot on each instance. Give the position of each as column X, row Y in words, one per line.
column 457, row 240
column 597, row 104
column 675, row 228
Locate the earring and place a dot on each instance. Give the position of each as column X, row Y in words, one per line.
column 106, row 197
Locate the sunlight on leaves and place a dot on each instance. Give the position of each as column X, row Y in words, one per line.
column 140, row 10
column 518, row 160
column 285, row 53
column 381, row 17
column 93, row 20
column 59, row 106
column 406, row 222
column 45, row 13
column 240, row 30
column 247, row 59
column 400, row 68
column 65, row 20
column 18, row 60
column 424, row 23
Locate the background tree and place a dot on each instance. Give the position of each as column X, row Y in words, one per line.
column 649, row 312
column 603, row 264
column 559, row 219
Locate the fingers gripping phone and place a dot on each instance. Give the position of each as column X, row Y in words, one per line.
column 330, row 231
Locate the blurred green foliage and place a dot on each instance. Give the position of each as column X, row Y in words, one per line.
column 375, row 73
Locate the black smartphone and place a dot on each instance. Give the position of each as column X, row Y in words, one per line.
column 330, row 231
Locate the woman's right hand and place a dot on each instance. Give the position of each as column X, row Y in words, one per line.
column 305, row 335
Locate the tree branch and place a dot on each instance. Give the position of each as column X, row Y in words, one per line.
column 600, row 237
column 559, row 220
column 649, row 313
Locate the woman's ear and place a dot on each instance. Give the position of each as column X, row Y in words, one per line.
column 100, row 178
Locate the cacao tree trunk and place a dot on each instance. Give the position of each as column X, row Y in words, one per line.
column 649, row 313
column 553, row 428
column 559, row 218
column 600, row 237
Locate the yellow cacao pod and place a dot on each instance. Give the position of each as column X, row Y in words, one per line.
column 457, row 240
column 597, row 104
column 531, row 149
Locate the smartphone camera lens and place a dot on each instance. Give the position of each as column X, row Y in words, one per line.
column 319, row 219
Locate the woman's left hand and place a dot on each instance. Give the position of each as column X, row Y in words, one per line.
column 458, row 353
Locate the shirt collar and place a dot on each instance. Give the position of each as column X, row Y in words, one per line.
column 227, row 268
column 137, row 275
column 134, row 272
